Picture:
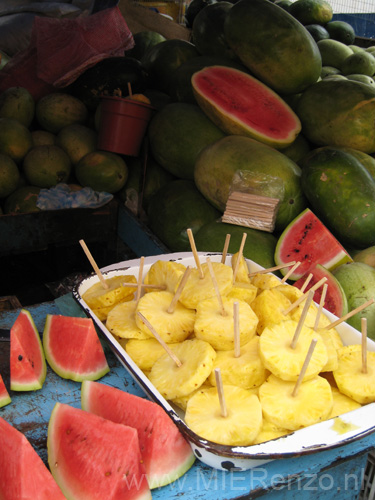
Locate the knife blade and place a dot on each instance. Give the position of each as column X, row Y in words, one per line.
column 4, row 335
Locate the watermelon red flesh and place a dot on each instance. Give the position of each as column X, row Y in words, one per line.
column 165, row 452
column 73, row 349
column 27, row 362
column 4, row 394
column 335, row 300
column 93, row 458
column 307, row 240
column 22, row 472
column 240, row 104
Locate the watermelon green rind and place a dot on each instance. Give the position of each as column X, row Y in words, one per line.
column 240, row 104
column 307, row 240
column 65, row 340
column 22, row 472
column 335, row 300
column 28, row 367
column 5, row 399
column 92, row 457
column 165, row 452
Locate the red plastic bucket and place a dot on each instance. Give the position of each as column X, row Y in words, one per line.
column 122, row 125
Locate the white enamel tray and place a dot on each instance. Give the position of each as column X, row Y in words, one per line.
column 309, row 440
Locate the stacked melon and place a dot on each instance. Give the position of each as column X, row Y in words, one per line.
column 258, row 373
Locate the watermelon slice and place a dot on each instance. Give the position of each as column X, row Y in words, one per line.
column 335, row 301
column 73, row 349
column 165, row 452
column 93, row 458
column 307, row 240
column 28, row 367
column 242, row 105
column 4, row 394
column 23, row 474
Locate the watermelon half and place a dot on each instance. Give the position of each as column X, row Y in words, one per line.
column 93, row 458
column 73, row 349
column 23, row 474
column 5, row 399
column 307, row 240
column 28, row 367
column 335, row 300
column 165, row 452
column 240, row 104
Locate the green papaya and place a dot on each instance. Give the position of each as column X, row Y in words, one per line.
column 341, row 191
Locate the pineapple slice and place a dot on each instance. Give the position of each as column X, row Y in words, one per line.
column 246, row 371
column 97, row 296
column 291, row 292
column 269, row 306
column 183, row 400
column 172, row 381
column 121, row 322
column 284, row 361
column 312, row 404
column 242, row 274
column 211, row 326
column 198, row 289
column 269, row 431
column 166, row 273
column 172, row 327
column 144, row 353
column 342, row 404
column 265, row 281
column 239, row 428
column 243, row 291
column 333, row 361
column 349, row 377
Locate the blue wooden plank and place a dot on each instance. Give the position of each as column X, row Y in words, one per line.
column 323, row 475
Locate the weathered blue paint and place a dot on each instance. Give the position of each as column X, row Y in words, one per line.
column 323, row 475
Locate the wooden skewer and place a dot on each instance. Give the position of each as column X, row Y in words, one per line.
column 349, row 315
column 181, row 285
column 290, row 272
column 144, row 285
column 160, row 340
column 225, row 249
column 303, row 297
column 94, row 264
column 140, row 277
column 301, row 321
column 195, row 253
column 236, row 324
column 239, row 256
column 130, row 90
column 364, row 344
column 216, row 286
column 304, row 367
column 220, row 393
column 307, row 281
column 321, row 305
column 271, row 269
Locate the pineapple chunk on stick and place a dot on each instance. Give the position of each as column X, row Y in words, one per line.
column 286, row 362
column 198, row 289
column 242, row 423
column 264, row 281
column 172, row 381
column 121, row 322
column 312, row 404
column 217, row 329
column 144, row 353
column 183, row 400
column 351, row 379
column 97, row 296
column 246, row 371
column 172, row 327
column 342, row 404
column 167, row 273
column 269, row 306
column 269, row 431
column 240, row 268
column 243, row 291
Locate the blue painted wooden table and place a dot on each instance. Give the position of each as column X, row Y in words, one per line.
column 324, row 475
